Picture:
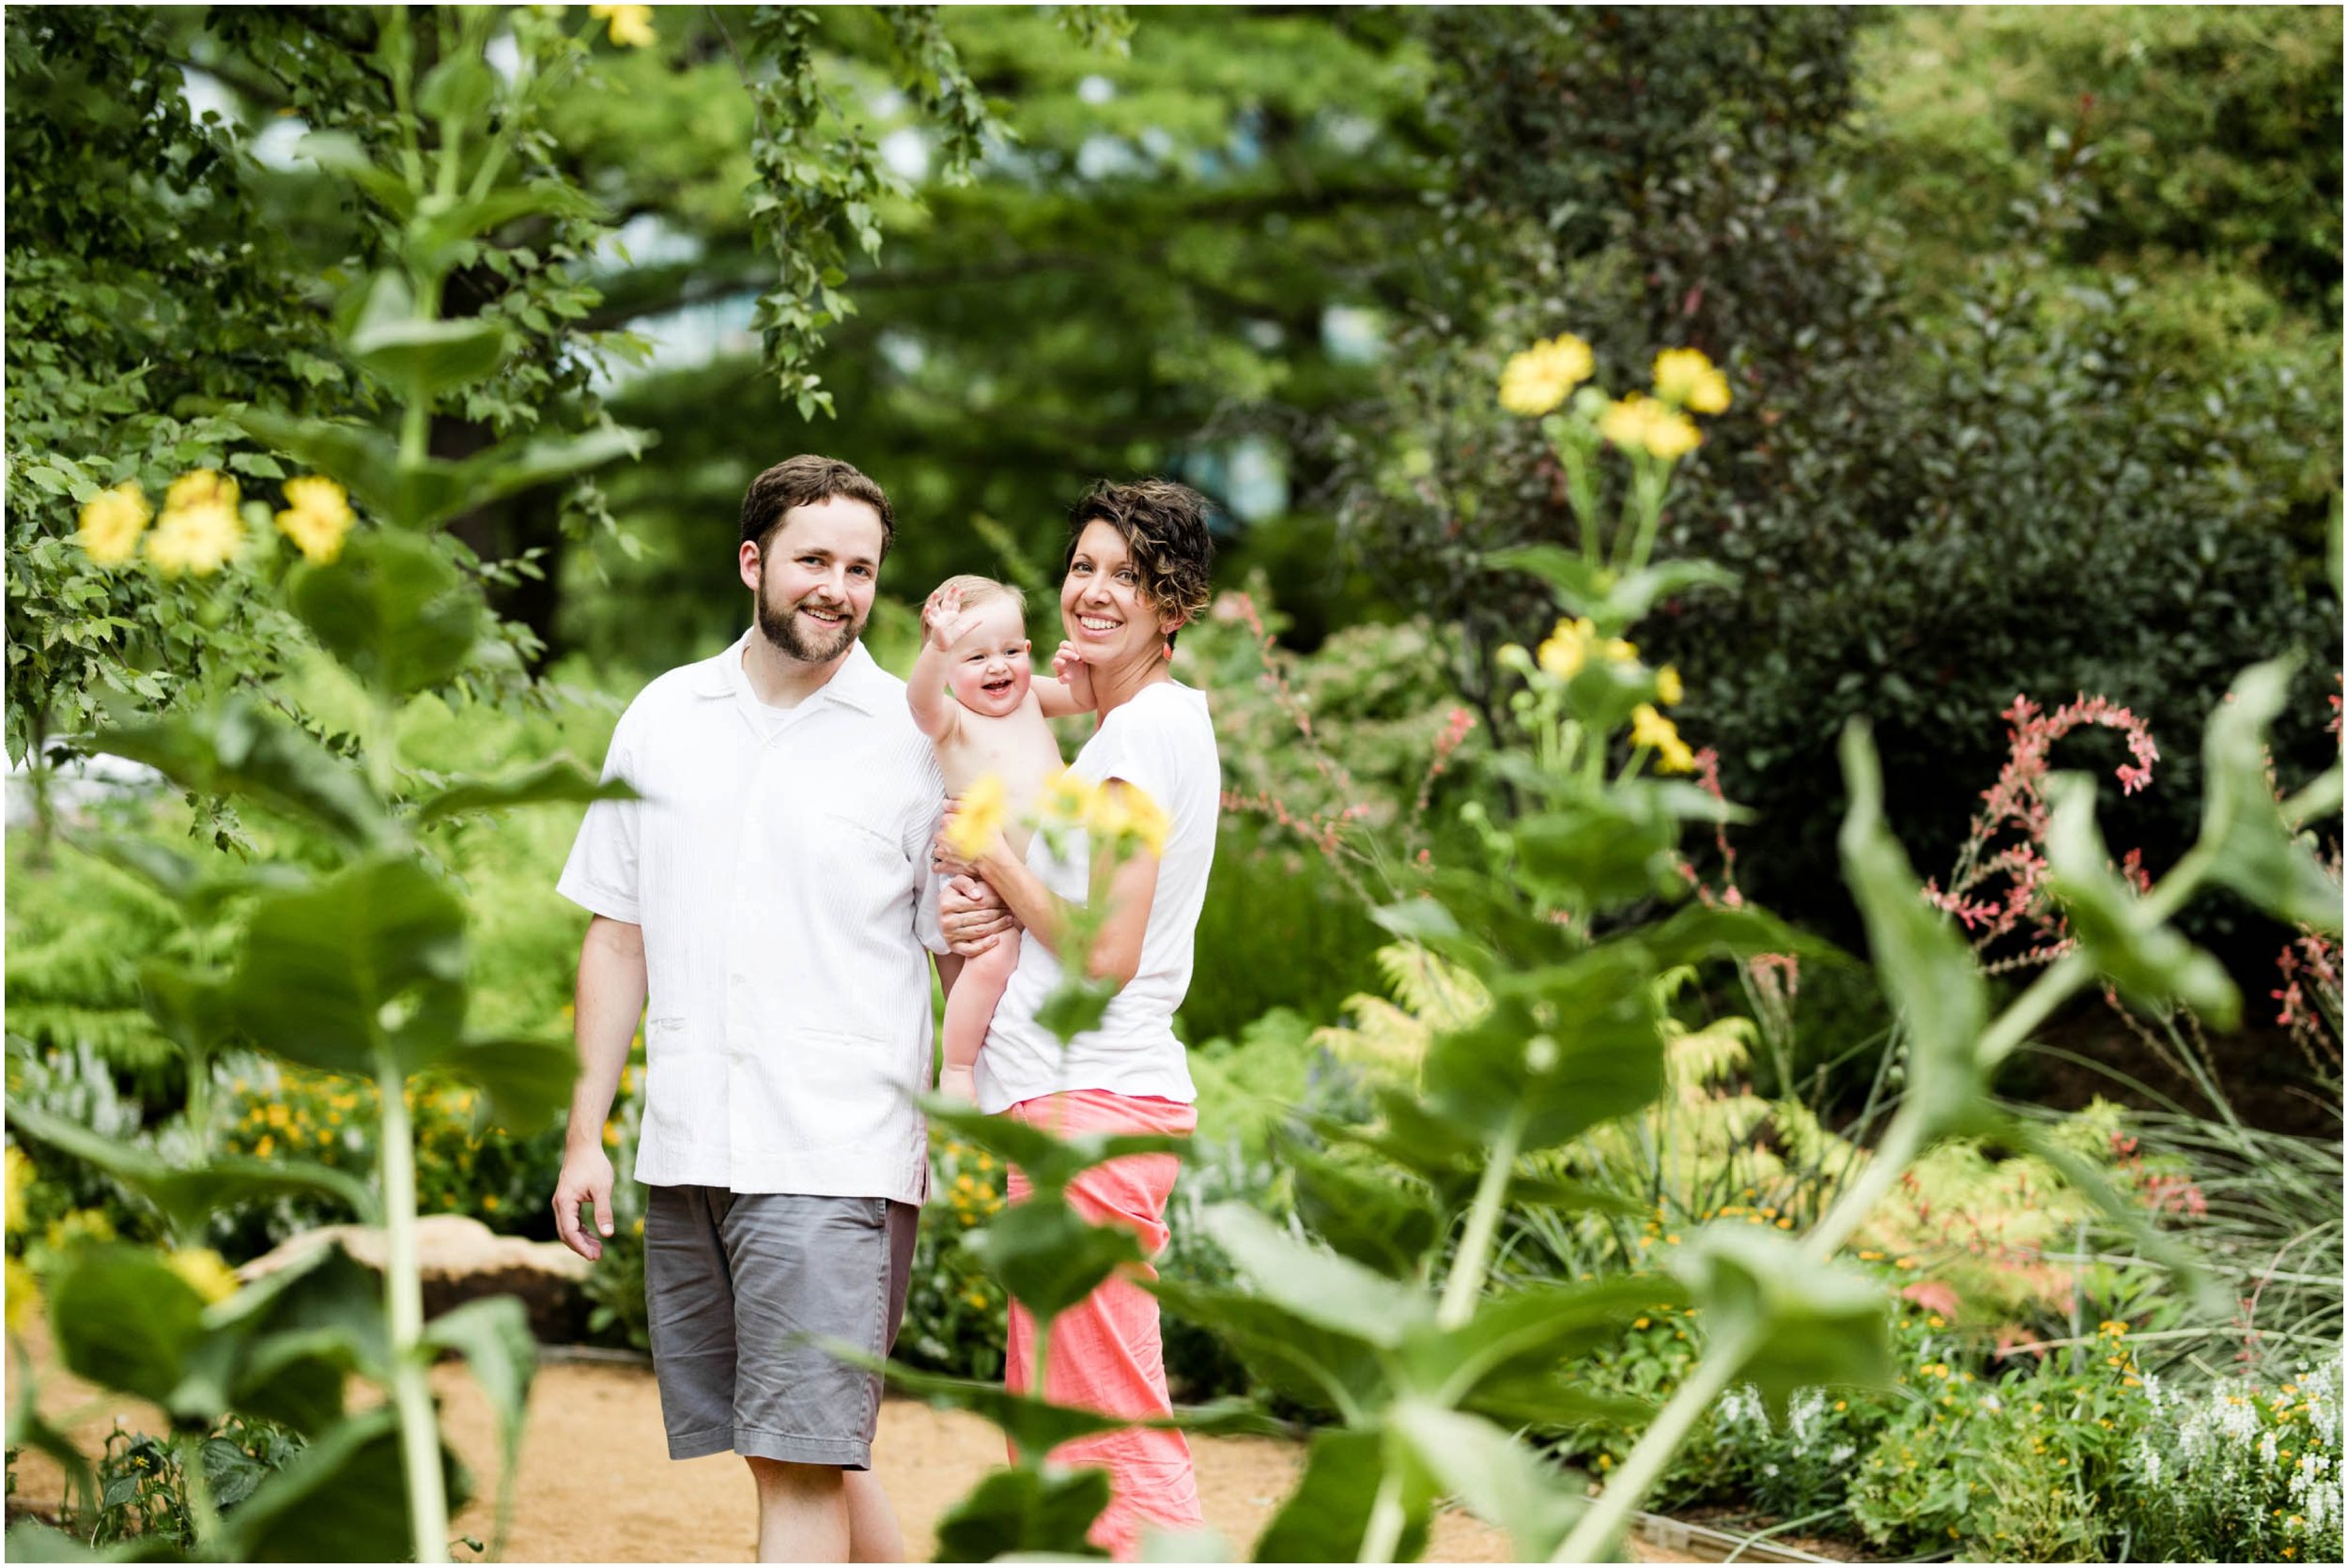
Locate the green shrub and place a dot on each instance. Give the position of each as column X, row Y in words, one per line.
column 955, row 1313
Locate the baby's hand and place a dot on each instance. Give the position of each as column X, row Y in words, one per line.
column 942, row 615
column 1070, row 669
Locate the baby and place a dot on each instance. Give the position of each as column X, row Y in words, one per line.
column 976, row 696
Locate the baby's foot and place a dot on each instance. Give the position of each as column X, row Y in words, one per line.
column 959, row 1084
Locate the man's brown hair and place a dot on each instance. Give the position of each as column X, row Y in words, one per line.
column 1165, row 529
column 805, row 481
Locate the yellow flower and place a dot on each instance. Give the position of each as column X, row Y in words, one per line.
column 317, row 516
column 198, row 487
column 1067, row 798
column 977, row 819
column 631, row 25
column 1686, row 377
column 21, row 1176
column 1128, row 813
column 199, row 530
column 206, row 1274
column 1649, row 728
column 488, row 1203
column 112, row 521
column 1640, row 423
column 1536, row 381
column 1667, row 687
column 23, row 1295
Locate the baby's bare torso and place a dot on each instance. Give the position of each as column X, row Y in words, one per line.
column 1018, row 749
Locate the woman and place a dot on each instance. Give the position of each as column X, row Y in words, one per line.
column 1136, row 571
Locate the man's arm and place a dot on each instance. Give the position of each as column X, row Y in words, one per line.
column 610, row 999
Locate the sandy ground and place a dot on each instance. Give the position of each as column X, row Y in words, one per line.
column 597, row 1484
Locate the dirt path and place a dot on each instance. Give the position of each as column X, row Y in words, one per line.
column 596, row 1483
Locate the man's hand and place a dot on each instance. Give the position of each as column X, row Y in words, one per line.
column 1070, row 669
column 586, row 1178
column 972, row 915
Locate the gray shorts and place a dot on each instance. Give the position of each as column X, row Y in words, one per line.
column 731, row 1277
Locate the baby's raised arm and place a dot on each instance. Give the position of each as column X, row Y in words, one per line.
column 1069, row 688
column 934, row 707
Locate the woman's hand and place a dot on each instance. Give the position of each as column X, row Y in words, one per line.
column 972, row 915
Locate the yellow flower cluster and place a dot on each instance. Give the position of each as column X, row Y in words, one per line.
column 1536, row 381
column 631, row 25
column 21, row 1174
column 1685, row 377
column 317, row 516
column 112, row 522
column 979, row 812
column 1642, row 423
column 207, row 1272
column 1571, row 644
column 1649, row 728
column 1123, row 815
column 23, row 1292
column 200, row 531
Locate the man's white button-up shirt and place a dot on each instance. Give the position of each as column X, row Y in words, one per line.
column 778, row 862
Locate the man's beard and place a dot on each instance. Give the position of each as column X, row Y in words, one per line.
column 780, row 625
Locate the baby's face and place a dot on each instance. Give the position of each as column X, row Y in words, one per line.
column 987, row 667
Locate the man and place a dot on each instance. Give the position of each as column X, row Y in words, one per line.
column 768, row 889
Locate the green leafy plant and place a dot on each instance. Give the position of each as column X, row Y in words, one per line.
column 353, row 959
column 1398, row 1326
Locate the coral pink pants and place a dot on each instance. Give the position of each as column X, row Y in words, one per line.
column 1105, row 1354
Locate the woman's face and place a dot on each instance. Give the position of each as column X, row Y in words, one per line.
column 1107, row 615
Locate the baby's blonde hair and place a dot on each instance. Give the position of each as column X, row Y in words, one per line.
column 977, row 590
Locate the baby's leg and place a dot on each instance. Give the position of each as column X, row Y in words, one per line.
column 970, row 1011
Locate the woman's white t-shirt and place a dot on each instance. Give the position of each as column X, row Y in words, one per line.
column 1160, row 742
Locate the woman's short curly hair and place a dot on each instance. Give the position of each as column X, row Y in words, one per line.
column 1165, row 529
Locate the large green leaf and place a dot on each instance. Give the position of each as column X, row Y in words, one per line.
column 30, row 1541
column 1319, row 1286
column 1499, row 1478
column 2256, row 854
column 1927, row 971
column 367, row 461
column 1326, row 1517
column 2149, row 961
column 1697, row 931
column 424, row 494
column 1529, row 1332
column 339, row 152
column 187, row 1198
column 1801, row 1323
column 526, row 1081
column 1025, row 1511
column 1562, row 1048
column 1047, row 1162
column 413, row 355
column 556, row 779
column 341, row 1499
column 1033, row 1426
column 1318, row 1366
column 124, row 1321
column 1612, row 600
column 1050, row 1257
column 1388, row 1226
column 492, row 1333
column 1619, row 846
column 190, row 1009
column 371, row 960
column 392, row 608
column 238, row 748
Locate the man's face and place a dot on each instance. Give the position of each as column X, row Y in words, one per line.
column 815, row 579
